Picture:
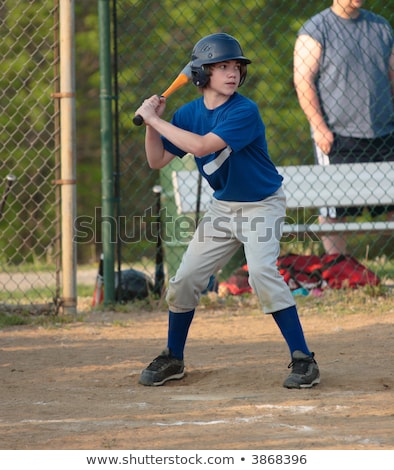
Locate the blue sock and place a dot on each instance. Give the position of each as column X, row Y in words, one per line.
column 178, row 328
column 290, row 326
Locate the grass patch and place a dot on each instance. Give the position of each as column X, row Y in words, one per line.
column 344, row 302
column 23, row 316
column 333, row 302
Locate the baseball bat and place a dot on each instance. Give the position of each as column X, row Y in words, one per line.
column 10, row 180
column 184, row 77
column 159, row 267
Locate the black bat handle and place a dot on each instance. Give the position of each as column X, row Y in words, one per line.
column 138, row 120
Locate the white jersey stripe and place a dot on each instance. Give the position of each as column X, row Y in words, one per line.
column 214, row 165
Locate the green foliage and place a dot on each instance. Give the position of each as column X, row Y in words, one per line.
column 27, row 52
column 154, row 40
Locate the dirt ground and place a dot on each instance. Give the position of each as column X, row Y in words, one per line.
column 76, row 386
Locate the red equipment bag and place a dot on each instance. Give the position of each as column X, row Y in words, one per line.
column 344, row 271
column 309, row 272
column 335, row 271
column 237, row 283
column 301, row 271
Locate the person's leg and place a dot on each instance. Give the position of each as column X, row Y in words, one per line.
column 169, row 364
column 290, row 326
column 261, row 234
column 335, row 243
column 211, row 248
column 178, row 329
column 262, row 250
column 206, row 254
column 305, row 371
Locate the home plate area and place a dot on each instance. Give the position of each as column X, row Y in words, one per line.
column 76, row 386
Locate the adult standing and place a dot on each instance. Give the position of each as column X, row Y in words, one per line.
column 344, row 78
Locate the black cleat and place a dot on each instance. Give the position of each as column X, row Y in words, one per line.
column 305, row 371
column 163, row 368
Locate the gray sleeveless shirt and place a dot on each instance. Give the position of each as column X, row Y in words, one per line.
column 353, row 81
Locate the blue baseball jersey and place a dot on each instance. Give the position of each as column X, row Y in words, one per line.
column 243, row 170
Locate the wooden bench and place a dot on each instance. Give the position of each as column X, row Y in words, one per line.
column 311, row 187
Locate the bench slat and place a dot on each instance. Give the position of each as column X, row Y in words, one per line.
column 358, row 184
column 338, row 227
column 311, row 186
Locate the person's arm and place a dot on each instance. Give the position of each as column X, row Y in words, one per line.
column 198, row 145
column 307, row 54
column 157, row 157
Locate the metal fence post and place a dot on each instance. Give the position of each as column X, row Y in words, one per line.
column 108, row 220
column 68, row 154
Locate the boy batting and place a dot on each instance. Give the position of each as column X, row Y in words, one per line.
column 224, row 131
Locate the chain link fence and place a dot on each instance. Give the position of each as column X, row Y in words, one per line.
column 151, row 42
column 154, row 41
column 29, row 243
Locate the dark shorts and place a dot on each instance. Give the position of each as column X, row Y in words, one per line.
column 353, row 150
